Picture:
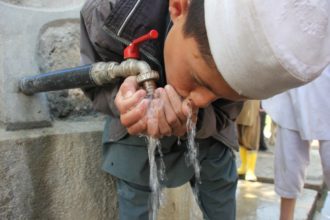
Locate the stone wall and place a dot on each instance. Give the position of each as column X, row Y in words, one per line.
column 58, row 48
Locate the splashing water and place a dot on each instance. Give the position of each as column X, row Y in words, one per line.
column 179, row 141
column 191, row 155
column 157, row 195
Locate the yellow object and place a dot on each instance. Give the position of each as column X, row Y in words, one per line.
column 251, row 161
column 243, row 155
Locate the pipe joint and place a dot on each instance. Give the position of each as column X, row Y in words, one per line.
column 104, row 73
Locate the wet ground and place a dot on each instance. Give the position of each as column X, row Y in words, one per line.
column 258, row 201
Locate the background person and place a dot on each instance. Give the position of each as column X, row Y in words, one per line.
column 248, row 126
column 302, row 115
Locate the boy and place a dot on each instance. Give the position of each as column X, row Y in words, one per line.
column 197, row 48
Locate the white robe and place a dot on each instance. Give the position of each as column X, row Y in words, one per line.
column 305, row 109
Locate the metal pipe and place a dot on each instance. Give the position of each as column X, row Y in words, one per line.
column 57, row 80
column 97, row 74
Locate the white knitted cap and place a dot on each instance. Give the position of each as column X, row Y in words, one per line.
column 264, row 47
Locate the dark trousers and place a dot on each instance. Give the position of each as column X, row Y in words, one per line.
column 216, row 193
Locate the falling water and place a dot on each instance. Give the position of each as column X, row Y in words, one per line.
column 191, row 155
column 156, row 174
column 156, row 188
column 179, row 141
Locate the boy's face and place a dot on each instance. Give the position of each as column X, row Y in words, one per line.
column 186, row 70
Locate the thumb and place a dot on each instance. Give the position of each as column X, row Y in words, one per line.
column 129, row 87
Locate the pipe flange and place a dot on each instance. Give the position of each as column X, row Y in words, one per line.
column 151, row 75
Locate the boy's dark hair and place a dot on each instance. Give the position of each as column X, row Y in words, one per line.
column 195, row 27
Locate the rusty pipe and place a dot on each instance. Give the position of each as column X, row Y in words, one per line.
column 146, row 77
column 97, row 74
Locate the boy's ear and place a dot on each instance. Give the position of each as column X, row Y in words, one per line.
column 178, row 8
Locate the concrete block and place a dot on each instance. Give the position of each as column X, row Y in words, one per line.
column 20, row 31
column 180, row 204
column 54, row 173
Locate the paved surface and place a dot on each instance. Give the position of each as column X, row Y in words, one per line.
column 258, row 201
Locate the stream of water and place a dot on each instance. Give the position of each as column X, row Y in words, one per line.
column 192, row 154
column 157, row 196
column 158, row 174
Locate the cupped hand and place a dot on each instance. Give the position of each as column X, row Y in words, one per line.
column 168, row 113
column 132, row 106
column 164, row 115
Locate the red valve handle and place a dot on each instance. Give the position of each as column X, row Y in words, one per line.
column 132, row 50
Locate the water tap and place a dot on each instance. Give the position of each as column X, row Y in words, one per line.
column 103, row 73
column 147, row 77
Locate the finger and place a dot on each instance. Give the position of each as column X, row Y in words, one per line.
column 176, row 102
column 178, row 123
column 127, row 92
column 164, row 127
column 152, row 120
column 124, row 104
column 180, row 131
column 129, row 86
column 170, row 115
column 135, row 114
column 138, row 128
